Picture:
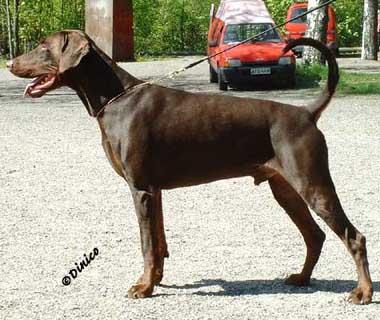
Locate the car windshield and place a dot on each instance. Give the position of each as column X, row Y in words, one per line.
column 298, row 11
column 241, row 32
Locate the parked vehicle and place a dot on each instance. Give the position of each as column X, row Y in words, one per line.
column 297, row 28
column 255, row 61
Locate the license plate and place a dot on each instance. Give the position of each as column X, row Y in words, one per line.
column 259, row 71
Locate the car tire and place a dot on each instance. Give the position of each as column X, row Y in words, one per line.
column 221, row 84
column 213, row 75
column 292, row 81
column 287, row 83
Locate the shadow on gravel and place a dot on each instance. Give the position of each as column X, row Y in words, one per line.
column 256, row 287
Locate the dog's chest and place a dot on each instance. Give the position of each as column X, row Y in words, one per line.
column 112, row 150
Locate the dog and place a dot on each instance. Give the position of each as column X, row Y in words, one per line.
column 160, row 138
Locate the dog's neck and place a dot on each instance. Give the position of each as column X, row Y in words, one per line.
column 97, row 80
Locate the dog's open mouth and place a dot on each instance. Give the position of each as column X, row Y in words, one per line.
column 42, row 84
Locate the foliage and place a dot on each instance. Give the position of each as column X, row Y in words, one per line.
column 38, row 18
column 171, row 25
column 310, row 75
column 278, row 9
column 349, row 15
column 161, row 26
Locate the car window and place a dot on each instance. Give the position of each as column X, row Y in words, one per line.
column 298, row 11
column 241, row 32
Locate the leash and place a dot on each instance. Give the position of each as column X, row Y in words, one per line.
column 173, row 74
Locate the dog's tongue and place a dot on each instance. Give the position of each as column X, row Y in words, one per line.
column 39, row 85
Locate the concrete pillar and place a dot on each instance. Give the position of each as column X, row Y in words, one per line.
column 110, row 24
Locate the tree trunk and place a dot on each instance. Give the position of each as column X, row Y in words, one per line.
column 2, row 29
column 9, row 27
column 370, row 42
column 317, row 29
column 16, row 38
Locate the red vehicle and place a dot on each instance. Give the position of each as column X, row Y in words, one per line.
column 297, row 28
column 258, row 60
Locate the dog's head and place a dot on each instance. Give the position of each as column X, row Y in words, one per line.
column 49, row 61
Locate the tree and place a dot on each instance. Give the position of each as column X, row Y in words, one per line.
column 15, row 27
column 9, row 28
column 317, row 29
column 370, row 41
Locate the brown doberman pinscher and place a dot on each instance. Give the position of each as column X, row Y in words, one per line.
column 160, row 138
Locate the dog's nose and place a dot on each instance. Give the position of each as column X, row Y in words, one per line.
column 10, row 64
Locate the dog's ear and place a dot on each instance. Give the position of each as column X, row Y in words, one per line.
column 75, row 46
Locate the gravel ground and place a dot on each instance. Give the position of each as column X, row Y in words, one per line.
column 230, row 243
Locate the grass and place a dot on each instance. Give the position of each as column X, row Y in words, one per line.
column 349, row 83
column 147, row 58
column 2, row 63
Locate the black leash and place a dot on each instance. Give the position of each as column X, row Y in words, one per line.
column 191, row 65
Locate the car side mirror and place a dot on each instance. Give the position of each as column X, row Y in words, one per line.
column 213, row 43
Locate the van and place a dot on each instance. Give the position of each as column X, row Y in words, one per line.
column 297, row 28
column 255, row 61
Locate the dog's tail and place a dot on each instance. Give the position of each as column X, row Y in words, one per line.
column 317, row 107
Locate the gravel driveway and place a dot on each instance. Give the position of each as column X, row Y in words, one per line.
column 230, row 244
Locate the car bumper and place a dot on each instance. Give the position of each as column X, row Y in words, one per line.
column 241, row 75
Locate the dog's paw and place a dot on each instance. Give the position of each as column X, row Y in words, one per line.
column 139, row 291
column 298, row 280
column 360, row 296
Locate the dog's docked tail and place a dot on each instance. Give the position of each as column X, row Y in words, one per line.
column 317, row 107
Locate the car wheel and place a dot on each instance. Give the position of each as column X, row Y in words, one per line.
column 288, row 82
column 213, row 75
column 292, row 81
column 221, row 84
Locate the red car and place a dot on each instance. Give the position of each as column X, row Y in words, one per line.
column 255, row 61
column 297, row 28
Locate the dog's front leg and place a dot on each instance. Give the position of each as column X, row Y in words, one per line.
column 161, row 239
column 145, row 205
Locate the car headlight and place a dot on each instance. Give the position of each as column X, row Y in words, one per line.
column 234, row 63
column 285, row 60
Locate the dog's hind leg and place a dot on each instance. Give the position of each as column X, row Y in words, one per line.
column 299, row 213
column 146, row 210
column 324, row 201
column 304, row 164
column 160, row 230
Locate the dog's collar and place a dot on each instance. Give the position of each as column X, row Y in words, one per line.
column 125, row 91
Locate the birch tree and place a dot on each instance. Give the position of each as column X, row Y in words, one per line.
column 316, row 29
column 369, row 39
column 2, row 28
